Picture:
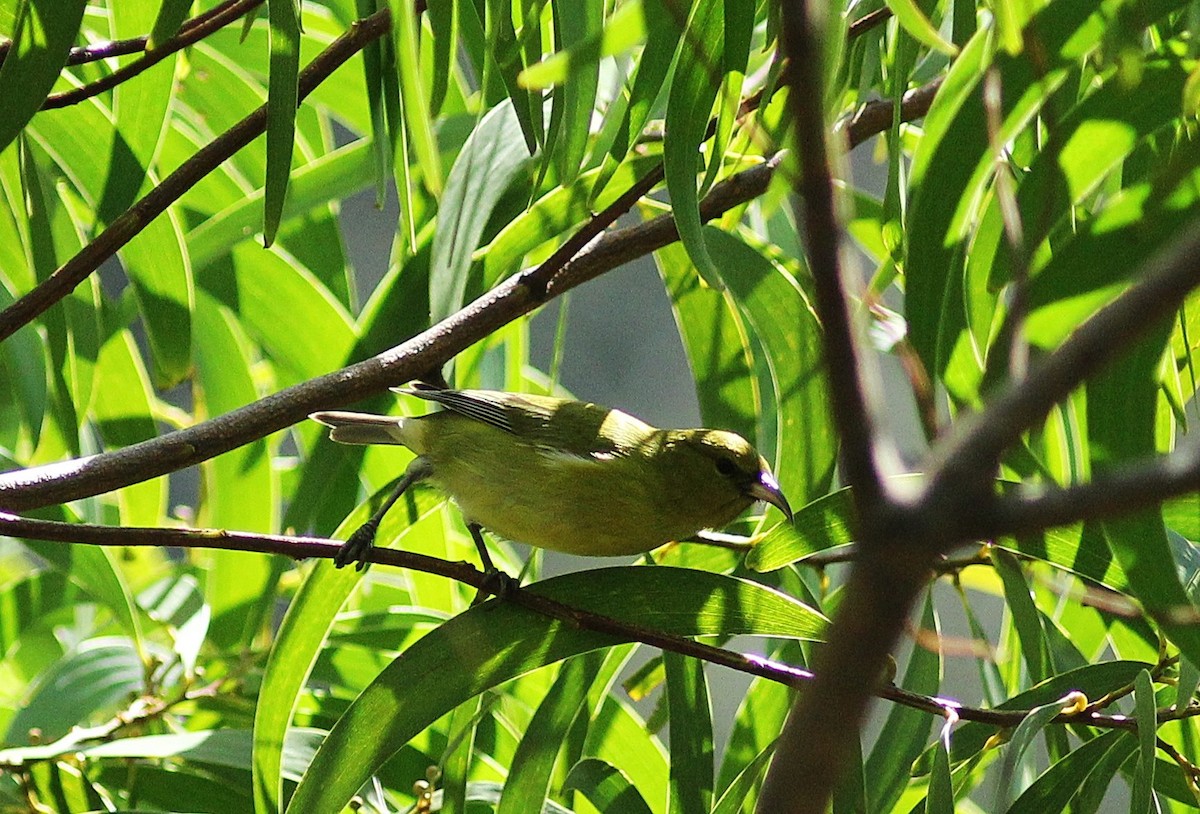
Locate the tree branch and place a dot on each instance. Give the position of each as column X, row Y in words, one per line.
column 200, row 28
column 70, row 480
column 126, row 226
column 884, row 583
column 80, row 55
column 1131, row 487
column 1163, row 282
column 305, row 547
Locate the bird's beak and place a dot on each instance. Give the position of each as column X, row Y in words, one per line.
column 766, row 488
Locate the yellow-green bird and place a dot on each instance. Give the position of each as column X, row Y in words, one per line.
column 561, row 474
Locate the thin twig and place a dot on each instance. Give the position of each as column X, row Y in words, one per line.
column 126, row 226
column 186, row 36
column 875, row 117
column 528, row 597
column 82, row 54
column 1110, row 494
column 1014, row 229
column 868, row 21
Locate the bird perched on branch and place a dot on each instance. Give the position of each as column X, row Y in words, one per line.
column 561, row 474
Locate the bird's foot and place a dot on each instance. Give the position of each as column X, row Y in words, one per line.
column 498, row 584
column 357, row 547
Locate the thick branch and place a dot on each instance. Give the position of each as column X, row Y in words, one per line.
column 1131, row 487
column 823, row 243
column 1163, row 282
column 882, row 586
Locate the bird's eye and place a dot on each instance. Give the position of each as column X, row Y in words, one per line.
column 726, row 466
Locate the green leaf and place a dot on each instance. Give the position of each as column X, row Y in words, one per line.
column 490, row 160
column 779, row 314
column 1121, row 424
column 664, row 29
column 240, row 490
column 691, row 733
column 123, row 409
column 497, row 641
column 156, row 258
column 282, row 98
column 940, row 799
column 1053, row 790
column 1026, row 616
column 624, row 28
column 574, row 99
column 43, row 35
column 1146, row 709
column 1020, row 740
column 308, row 619
column 737, row 792
column 332, row 177
column 171, row 15
column 94, row 679
column 699, row 61
column 606, row 787
column 914, row 21
column 717, row 344
column 823, row 524
column 418, row 121
column 176, row 602
column 529, row 774
column 271, row 292
column 954, row 155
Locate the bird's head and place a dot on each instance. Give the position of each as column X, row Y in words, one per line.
column 729, row 466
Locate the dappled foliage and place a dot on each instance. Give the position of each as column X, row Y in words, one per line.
column 169, row 258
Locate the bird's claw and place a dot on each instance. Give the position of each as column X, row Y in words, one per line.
column 357, row 547
column 498, row 584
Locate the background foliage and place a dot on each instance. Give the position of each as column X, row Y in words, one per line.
column 1045, row 151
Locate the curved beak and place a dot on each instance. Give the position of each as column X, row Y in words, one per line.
column 766, row 488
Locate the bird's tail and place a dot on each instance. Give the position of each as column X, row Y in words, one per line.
column 362, row 428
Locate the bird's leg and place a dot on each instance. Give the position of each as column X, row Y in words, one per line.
column 359, row 544
column 495, row 582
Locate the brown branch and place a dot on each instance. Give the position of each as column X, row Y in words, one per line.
column 305, row 547
column 876, row 117
column 220, row 17
column 70, row 480
column 867, row 22
column 82, row 54
column 1111, row 494
column 823, row 240
column 1163, row 282
column 126, row 226
column 884, row 583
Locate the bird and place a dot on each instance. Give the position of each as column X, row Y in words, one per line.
column 561, row 474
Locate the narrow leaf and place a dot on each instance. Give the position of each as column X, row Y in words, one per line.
column 282, row 98
column 605, row 787
column 1147, row 731
column 43, row 35
column 171, row 15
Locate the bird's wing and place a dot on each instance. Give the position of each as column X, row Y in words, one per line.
column 505, row 411
column 559, row 425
